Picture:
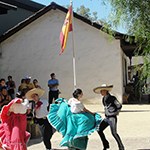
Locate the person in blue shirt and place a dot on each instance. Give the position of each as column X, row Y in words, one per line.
column 53, row 84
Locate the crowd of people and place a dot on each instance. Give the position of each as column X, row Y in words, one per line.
column 69, row 117
column 8, row 89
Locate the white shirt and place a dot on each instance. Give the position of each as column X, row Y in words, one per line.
column 20, row 108
column 76, row 105
column 42, row 112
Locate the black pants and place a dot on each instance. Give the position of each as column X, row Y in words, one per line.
column 53, row 95
column 47, row 131
column 112, row 121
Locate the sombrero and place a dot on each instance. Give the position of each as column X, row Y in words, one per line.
column 37, row 91
column 102, row 87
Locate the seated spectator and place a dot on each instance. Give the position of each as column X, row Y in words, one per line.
column 4, row 97
column 22, row 86
column 28, row 83
column 11, row 87
column 2, row 83
column 36, row 85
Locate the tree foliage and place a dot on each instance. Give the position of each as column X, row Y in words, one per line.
column 85, row 12
column 135, row 14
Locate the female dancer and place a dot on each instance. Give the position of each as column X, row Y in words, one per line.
column 73, row 121
column 13, row 134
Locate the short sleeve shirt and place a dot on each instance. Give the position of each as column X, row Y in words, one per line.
column 52, row 82
column 76, row 105
column 20, row 108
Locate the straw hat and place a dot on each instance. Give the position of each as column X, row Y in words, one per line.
column 102, row 87
column 37, row 91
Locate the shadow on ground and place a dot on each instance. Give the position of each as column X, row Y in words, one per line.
column 135, row 110
column 34, row 141
column 143, row 149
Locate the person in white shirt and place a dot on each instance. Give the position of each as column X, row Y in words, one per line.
column 76, row 104
column 41, row 112
column 20, row 108
column 73, row 121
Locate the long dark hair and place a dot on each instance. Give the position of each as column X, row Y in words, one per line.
column 76, row 93
column 22, row 93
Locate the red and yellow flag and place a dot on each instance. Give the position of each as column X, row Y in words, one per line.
column 66, row 28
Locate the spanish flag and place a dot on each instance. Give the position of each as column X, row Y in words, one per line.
column 66, row 28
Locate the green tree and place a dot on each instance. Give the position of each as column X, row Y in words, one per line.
column 135, row 14
column 85, row 12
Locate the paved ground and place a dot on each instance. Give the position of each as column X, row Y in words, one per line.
column 133, row 127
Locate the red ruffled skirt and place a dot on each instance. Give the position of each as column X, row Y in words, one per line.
column 13, row 134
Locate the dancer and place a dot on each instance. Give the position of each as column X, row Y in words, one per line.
column 40, row 111
column 112, row 108
column 13, row 134
column 73, row 121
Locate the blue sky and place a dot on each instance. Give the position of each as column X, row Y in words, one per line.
column 94, row 6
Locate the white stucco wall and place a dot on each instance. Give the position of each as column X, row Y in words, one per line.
column 34, row 51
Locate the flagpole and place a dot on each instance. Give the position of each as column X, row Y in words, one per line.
column 73, row 53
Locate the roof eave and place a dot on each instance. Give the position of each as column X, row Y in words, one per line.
column 128, row 51
column 7, row 6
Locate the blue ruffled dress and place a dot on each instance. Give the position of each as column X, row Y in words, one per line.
column 74, row 127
